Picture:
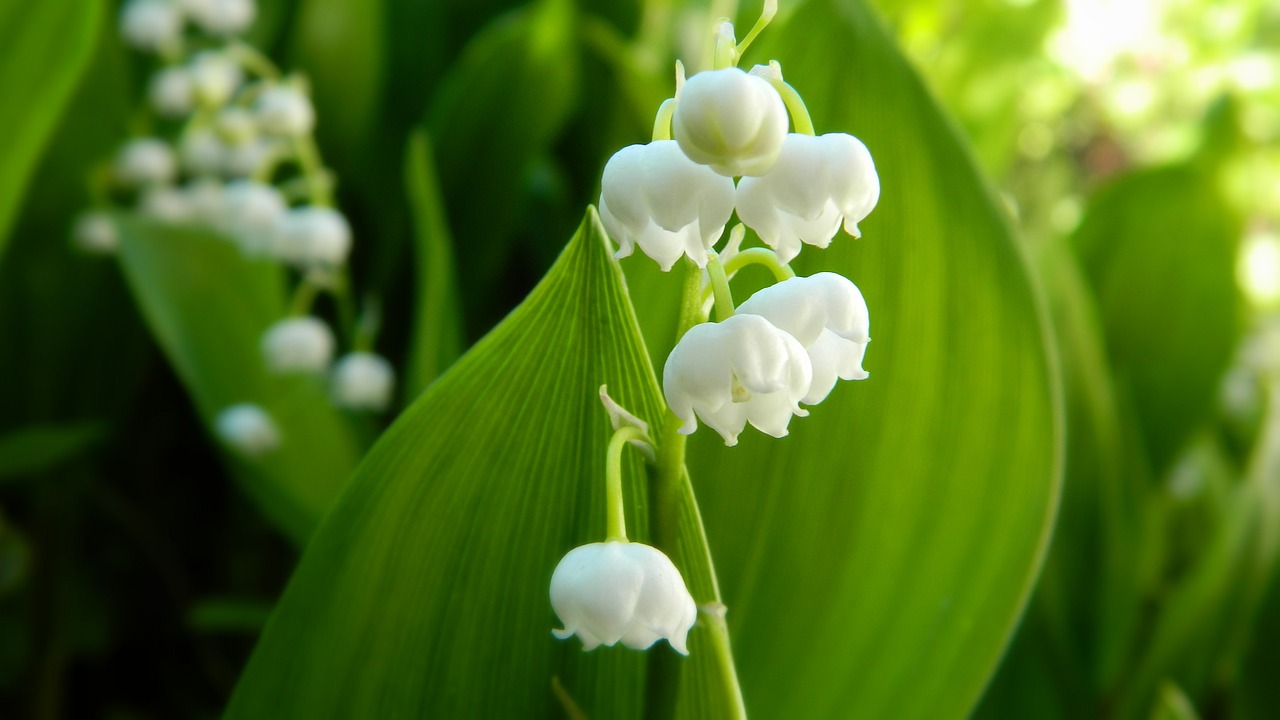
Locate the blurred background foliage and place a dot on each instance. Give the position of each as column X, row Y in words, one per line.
column 1133, row 141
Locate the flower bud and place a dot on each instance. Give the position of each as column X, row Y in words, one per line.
column 731, row 121
column 363, row 381
column 248, row 430
column 313, row 237
column 215, row 77
column 145, row 161
column 741, row 370
column 816, row 184
column 171, row 93
column 611, row 591
column 95, row 232
column 828, row 316
column 252, row 211
column 298, row 344
column 655, row 197
column 202, row 152
column 286, row 111
column 222, row 17
column 151, row 25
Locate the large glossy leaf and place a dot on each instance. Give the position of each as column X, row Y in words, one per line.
column 424, row 593
column 44, row 47
column 208, row 307
column 876, row 561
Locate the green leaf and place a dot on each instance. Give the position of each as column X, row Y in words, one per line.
column 37, row 449
column 207, row 307
column 429, row 580
column 1172, row 704
column 1159, row 249
column 875, row 562
column 44, row 47
column 437, row 329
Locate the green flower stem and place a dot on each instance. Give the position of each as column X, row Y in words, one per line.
column 253, row 61
column 759, row 256
column 312, row 168
column 795, row 105
column 616, row 529
column 304, row 296
column 662, row 123
column 674, row 503
column 720, row 287
column 725, row 45
column 766, row 15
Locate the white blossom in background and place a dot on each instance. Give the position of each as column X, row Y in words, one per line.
column 248, row 430
column 202, row 152
column 607, row 592
column 817, row 184
column 171, row 92
column 828, row 316
column 245, row 159
column 165, row 203
column 222, row 17
column 236, row 125
column 253, row 210
column 95, row 232
column 731, row 121
column 205, row 201
column 298, row 344
column 655, row 197
column 151, row 25
column 285, row 110
column 215, row 77
column 363, row 381
column 744, row 369
column 313, row 237
column 145, row 161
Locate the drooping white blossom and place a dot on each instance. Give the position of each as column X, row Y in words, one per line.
column 215, row 77
column 817, row 184
column 607, row 592
column 95, row 232
column 205, row 201
column 248, row 430
column 165, row 203
column 253, row 210
column 171, row 92
column 202, row 152
column 363, row 381
column 285, row 110
column 145, row 161
column 298, row 344
column 743, row 369
column 247, row 158
column 731, row 121
column 655, row 197
column 826, row 314
column 222, row 17
column 151, row 25
column 313, row 237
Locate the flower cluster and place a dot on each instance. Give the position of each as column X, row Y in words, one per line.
column 231, row 149
column 674, row 197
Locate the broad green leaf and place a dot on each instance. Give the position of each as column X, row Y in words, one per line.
column 497, row 111
column 875, row 561
column 207, row 307
column 1159, row 248
column 425, row 592
column 37, row 449
column 44, row 47
column 437, row 326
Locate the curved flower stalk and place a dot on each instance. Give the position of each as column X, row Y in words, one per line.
column 743, row 369
column 816, row 185
column 655, row 197
column 828, row 316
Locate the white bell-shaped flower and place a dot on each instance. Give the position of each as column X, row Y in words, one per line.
column 165, row 203
column 222, row 17
column 201, row 152
column 286, row 111
column 825, row 313
column 741, row 370
column 171, row 92
column 246, row 159
column 655, row 197
column 607, row 592
column 248, row 430
column 215, row 77
column 236, row 125
column 817, row 184
column 313, row 237
column 363, row 381
column 298, row 344
column 151, row 25
column 145, row 161
column 95, row 232
column 253, row 210
column 206, row 201
column 731, row 121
